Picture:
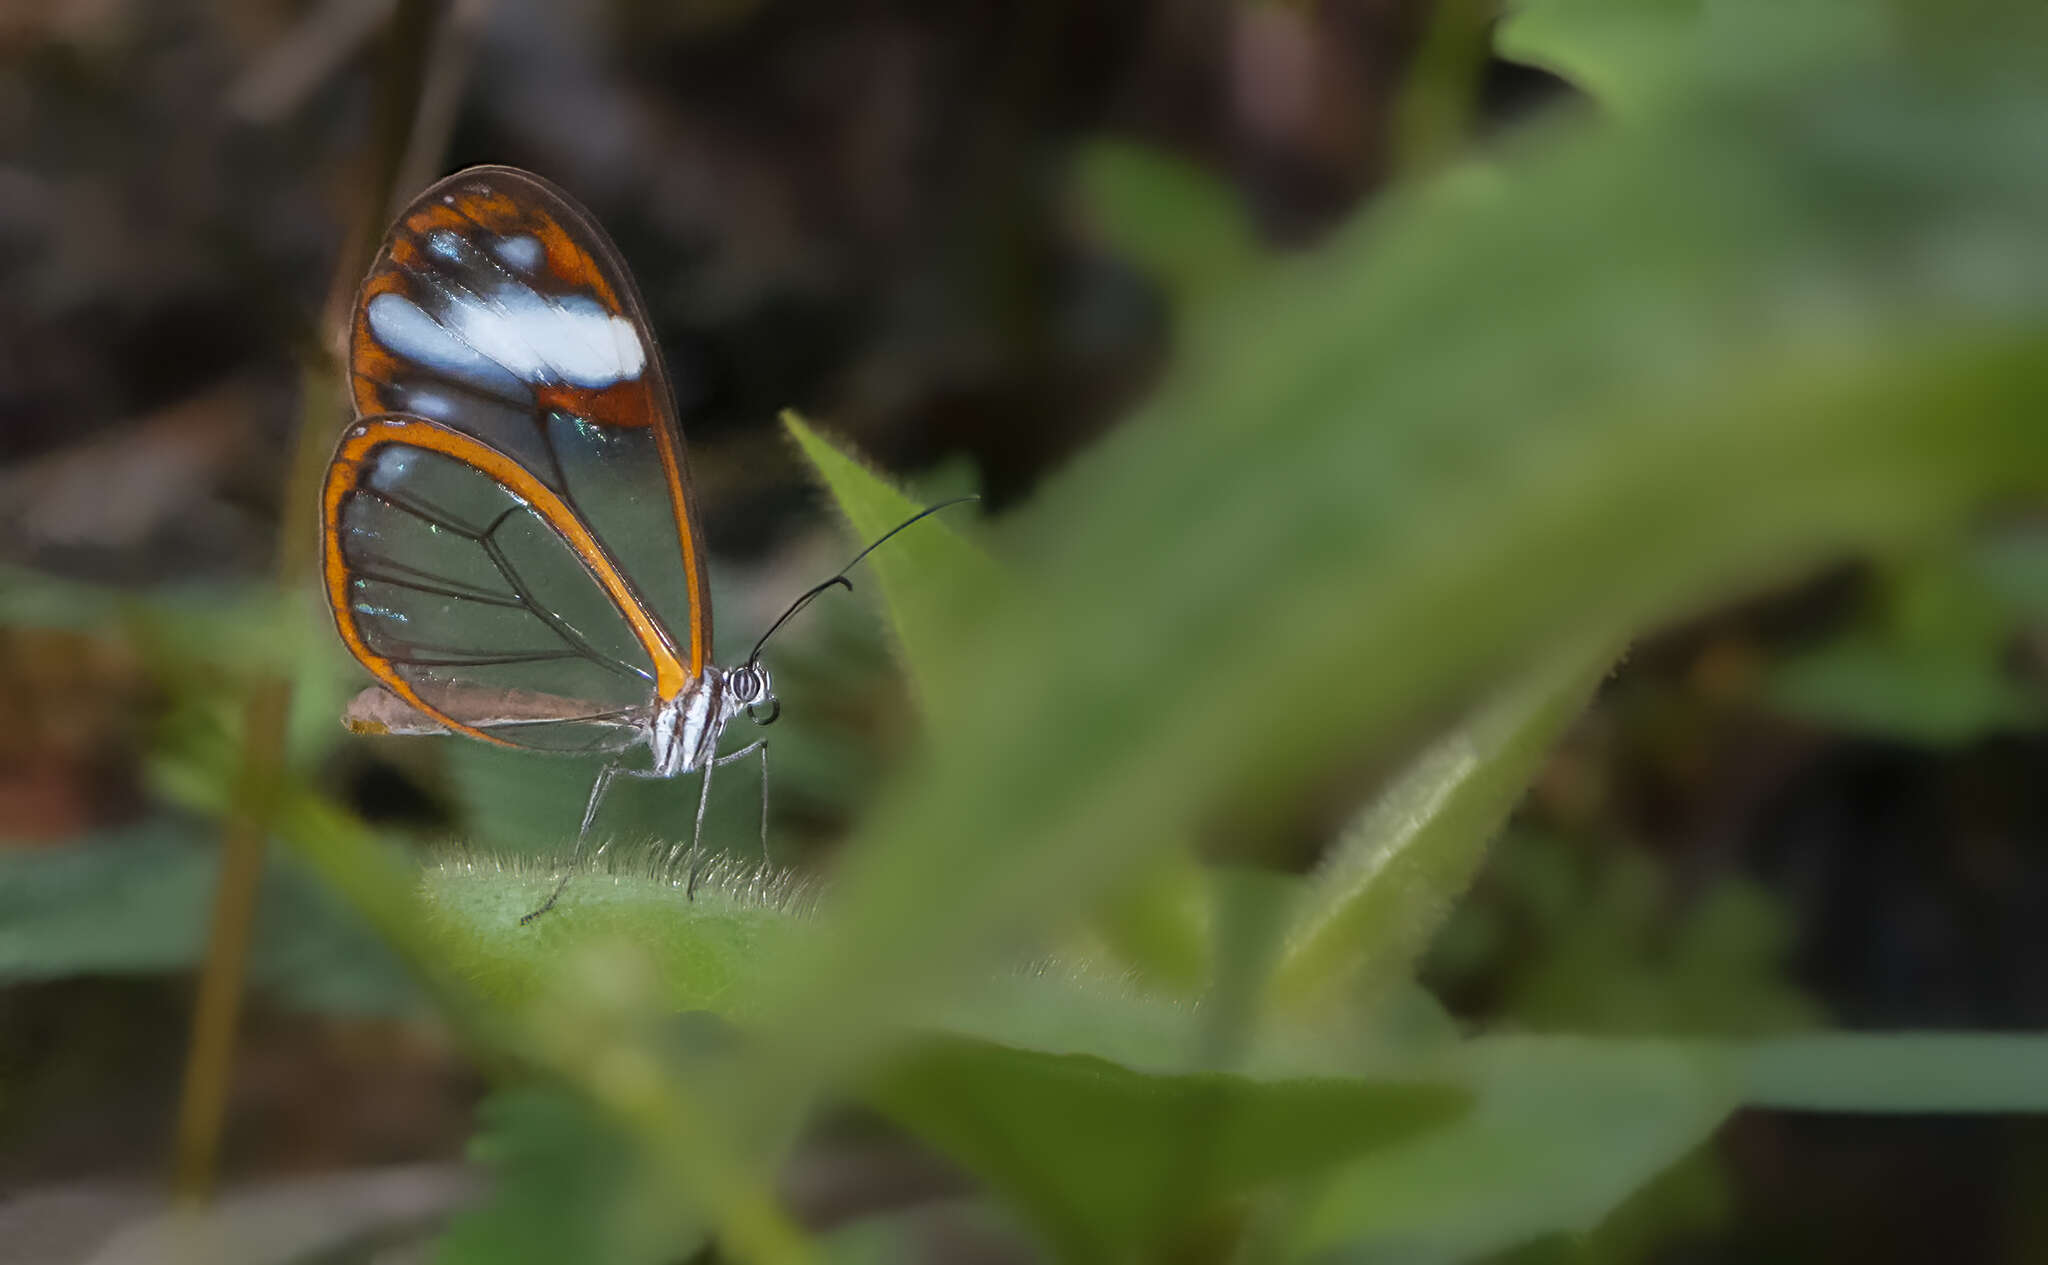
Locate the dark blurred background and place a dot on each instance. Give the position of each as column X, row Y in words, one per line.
column 1827, row 805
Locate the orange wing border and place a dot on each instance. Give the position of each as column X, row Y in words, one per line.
column 345, row 475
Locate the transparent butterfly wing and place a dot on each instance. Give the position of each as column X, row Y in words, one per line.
column 510, row 543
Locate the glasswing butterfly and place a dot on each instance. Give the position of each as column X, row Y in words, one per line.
column 509, row 542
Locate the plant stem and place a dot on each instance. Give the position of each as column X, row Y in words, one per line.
column 209, row 1062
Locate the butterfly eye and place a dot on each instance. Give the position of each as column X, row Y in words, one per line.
column 745, row 684
column 749, row 686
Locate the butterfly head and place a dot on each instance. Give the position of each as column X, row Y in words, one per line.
column 748, row 686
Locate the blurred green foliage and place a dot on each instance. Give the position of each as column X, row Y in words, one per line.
column 1929, row 659
column 1768, row 311
column 560, row 1177
column 1597, row 940
column 135, row 900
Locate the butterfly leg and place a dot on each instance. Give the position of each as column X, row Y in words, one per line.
column 704, row 799
column 763, row 745
column 597, row 792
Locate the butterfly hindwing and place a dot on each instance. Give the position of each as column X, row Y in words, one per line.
column 466, row 586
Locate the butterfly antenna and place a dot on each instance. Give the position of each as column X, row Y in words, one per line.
column 840, row 581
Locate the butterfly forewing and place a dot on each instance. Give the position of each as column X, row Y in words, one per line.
column 509, row 541
column 498, row 309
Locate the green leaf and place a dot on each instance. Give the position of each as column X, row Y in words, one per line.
column 1107, row 1158
column 1037, row 1070
column 238, row 626
column 931, row 576
column 715, row 950
column 933, row 579
column 1871, row 684
column 1391, row 879
column 1631, row 374
column 562, row 1189
column 1179, row 222
column 1084, row 1100
column 1636, row 56
column 1928, row 662
column 934, row 1232
column 1567, row 1128
column 137, row 899
column 590, row 1014
column 1624, row 54
column 126, row 901
column 713, row 946
column 1564, row 1131
column 205, row 640
column 1607, row 941
column 593, row 1019
column 2013, row 564
column 1918, row 1072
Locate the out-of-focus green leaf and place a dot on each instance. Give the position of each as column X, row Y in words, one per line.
column 1158, row 923
column 1431, row 120
column 562, row 1190
column 1393, row 875
column 1873, row 685
column 126, row 901
column 2014, row 565
column 137, row 900
column 1637, row 55
column 1632, row 373
column 1564, row 1130
column 242, row 628
column 205, row 640
column 716, row 951
column 1918, row 1072
column 1181, row 224
column 1155, row 921
column 1033, row 1072
column 1928, row 663
column 931, row 575
column 1595, row 940
column 594, row 1019
column 933, row 1233
column 316, row 953
column 1624, row 54
column 238, row 625
column 1107, row 1158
